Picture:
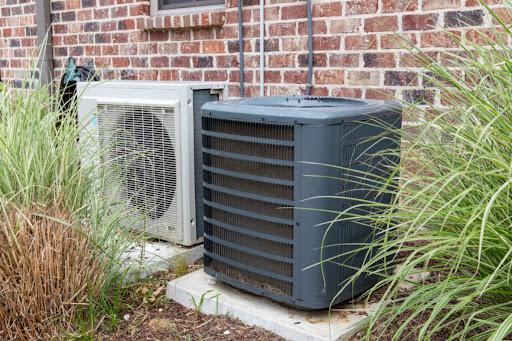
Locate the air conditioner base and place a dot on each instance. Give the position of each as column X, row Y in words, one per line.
column 199, row 291
column 148, row 257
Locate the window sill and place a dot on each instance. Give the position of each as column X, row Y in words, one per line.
column 179, row 21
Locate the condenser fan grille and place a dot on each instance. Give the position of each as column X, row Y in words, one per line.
column 140, row 142
column 249, row 194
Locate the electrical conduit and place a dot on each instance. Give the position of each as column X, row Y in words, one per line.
column 241, row 48
column 262, row 48
column 310, row 47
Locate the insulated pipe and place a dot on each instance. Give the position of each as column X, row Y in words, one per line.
column 310, row 47
column 262, row 48
column 44, row 41
column 241, row 47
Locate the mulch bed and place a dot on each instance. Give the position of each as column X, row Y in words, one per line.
column 171, row 321
column 149, row 315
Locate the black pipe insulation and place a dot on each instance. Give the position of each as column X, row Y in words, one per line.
column 241, row 47
column 310, row 47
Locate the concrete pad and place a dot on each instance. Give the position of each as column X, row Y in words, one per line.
column 292, row 324
column 146, row 258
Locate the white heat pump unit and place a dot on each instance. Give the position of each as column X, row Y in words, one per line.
column 149, row 134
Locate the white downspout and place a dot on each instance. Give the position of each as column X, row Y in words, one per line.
column 262, row 48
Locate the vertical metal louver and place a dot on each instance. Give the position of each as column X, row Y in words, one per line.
column 140, row 150
column 249, row 194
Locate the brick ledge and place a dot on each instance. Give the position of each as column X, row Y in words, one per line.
column 177, row 22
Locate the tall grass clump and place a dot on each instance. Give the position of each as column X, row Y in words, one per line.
column 444, row 245
column 60, row 244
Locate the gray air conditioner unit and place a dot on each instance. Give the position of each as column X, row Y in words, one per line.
column 147, row 133
column 255, row 166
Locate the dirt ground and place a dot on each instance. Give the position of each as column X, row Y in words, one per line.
column 148, row 315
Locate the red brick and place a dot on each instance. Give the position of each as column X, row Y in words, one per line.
column 180, row 61
column 485, row 36
column 347, row 25
column 440, row 4
column 344, row 60
column 381, row 24
column 474, row 3
column 331, row 9
column 348, row 92
column 214, row 46
column 281, row 60
column 70, row 40
column 354, row 7
column 84, row 15
column 365, row 42
column 399, row 5
column 119, row 11
column 319, row 91
column 73, row 4
column 273, row 77
column 326, row 43
column 139, row 61
column 216, row 75
column 328, row 76
column 397, row 41
column 319, row 27
column 190, row 75
column 271, row 13
column 363, row 78
column 282, row 29
column 294, row 44
column 120, row 62
column 109, row 50
column 440, row 39
column 379, row 60
column 419, row 22
column 227, row 61
column 504, row 14
column 169, row 75
column 161, row 61
column 190, row 47
column 139, row 9
column 297, row 77
column 293, row 12
column 126, row 24
column 416, row 59
column 385, row 94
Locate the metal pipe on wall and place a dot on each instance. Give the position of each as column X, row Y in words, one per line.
column 262, row 47
column 44, row 41
column 241, row 48
column 310, row 47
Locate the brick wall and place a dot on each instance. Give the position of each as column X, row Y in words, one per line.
column 17, row 38
column 357, row 50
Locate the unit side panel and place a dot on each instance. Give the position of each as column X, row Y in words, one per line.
column 200, row 97
column 318, row 144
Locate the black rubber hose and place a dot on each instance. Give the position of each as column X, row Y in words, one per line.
column 241, row 47
column 310, row 47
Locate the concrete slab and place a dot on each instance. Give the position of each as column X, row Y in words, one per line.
column 146, row 258
column 291, row 324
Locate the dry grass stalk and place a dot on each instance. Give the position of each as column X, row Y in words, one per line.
column 46, row 269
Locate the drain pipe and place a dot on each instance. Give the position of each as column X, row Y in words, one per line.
column 241, row 47
column 44, row 41
column 310, row 47
column 262, row 48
